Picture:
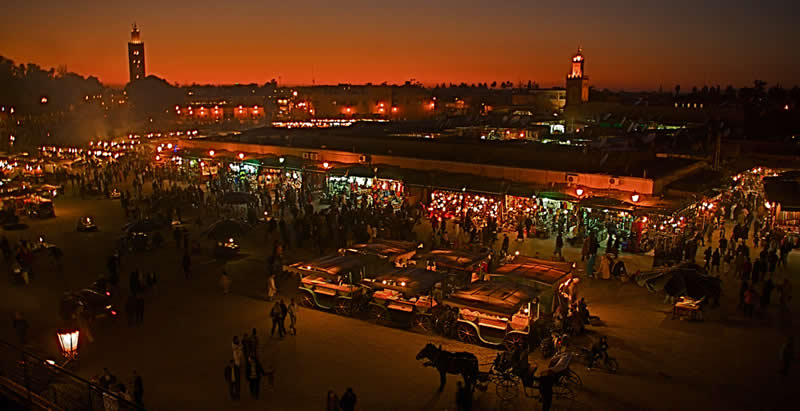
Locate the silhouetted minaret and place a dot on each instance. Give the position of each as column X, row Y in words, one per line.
column 136, row 55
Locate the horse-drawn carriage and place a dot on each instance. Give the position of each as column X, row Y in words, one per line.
column 495, row 313
column 508, row 371
column 382, row 254
column 543, row 275
column 331, row 283
column 462, row 267
column 405, row 296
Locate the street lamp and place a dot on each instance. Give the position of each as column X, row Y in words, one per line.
column 68, row 340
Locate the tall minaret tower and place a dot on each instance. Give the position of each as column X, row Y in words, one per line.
column 135, row 55
column 577, row 81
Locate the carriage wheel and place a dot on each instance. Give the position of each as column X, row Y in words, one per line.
column 377, row 314
column 513, row 341
column 612, row 365
column 424, row 322
column 307, row 301
column 506, row 388
column 571, row 378
column 467, row 334
column 342, row 307
column 563, row 392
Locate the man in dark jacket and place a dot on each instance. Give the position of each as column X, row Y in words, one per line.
column 232, row 377
column 254, row 371
column 348, row 401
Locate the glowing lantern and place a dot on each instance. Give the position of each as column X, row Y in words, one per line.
column 325, row 165
column 68, row 340
column 635, row 197
column 211, row 153
column 579, row 191
column 241, row 156
column 169, row 146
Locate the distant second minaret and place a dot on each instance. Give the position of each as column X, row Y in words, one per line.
column 577, row 81
column 136, row 55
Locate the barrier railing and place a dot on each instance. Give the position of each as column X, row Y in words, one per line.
column 35, row 379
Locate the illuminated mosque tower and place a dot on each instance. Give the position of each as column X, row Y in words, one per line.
column 577, row 81
column 135, row 55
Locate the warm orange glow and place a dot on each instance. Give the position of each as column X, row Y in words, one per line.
column 579, row 191
column 635, row 198
column 241, row 156
column 43, row 100
column 394, row 109
column 325, row 165
column 211, row 153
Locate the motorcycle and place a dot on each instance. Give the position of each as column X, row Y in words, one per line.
column 609, row 363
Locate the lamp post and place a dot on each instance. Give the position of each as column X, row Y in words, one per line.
column 68, row 340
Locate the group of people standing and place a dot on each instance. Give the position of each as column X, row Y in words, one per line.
column 246, row 358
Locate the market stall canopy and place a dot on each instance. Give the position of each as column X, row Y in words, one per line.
column 454, row 259
column 410, row 281
column 784, row 191
column 228, row 228
column 142, row 226
column 290, row 162
column 687, row 279
column 390, row 172
column 361, row 171
column 330, row 266
column 520, row 190
column 541, row 271
column 557, row 195
column 390, row 250
column 504, row 298
column 607, row 203
column 468, row 182
column 238, row 197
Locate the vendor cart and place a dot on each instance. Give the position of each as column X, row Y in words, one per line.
column 331, row 283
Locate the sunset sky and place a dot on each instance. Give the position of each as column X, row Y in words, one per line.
column 628, row 44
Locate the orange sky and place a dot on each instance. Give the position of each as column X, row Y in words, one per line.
column 627, row 44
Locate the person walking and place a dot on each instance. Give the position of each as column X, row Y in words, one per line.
column 546, row 382
column 237, row 351
column 348, row 402
column 715, row 260
column 139, row 309
column 787, row 356
column 284, row 313
column 292, row 317
column 138, row 389
column 271, row 289
column 332, row 401
column 275, row 314
column 254, row 371
column 749, row 301
column 232, row 377
column 707, row 257
column 225, row 282
column 21, row 327
column 559, row 245
column 187, row 264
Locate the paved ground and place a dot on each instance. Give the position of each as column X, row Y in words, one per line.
column 726, row 362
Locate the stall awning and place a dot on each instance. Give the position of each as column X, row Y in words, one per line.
column 520, row 190
column 469, row 183
column 606, row 203
column 361, row 171
column 783, row 191
column 557, row 195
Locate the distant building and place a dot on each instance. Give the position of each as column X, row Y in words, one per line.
column 136, row 55
column 577, row 81
column 358, row 101
column 549, row 99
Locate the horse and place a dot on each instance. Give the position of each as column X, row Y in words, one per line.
column 446, row 362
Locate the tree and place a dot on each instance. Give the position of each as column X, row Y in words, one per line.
column 494, row 84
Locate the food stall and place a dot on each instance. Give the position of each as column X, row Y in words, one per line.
column 331, row 283
column 543, row 275
column 405, row 295
column 496, row 313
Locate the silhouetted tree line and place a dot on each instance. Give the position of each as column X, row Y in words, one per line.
column 23, row 86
